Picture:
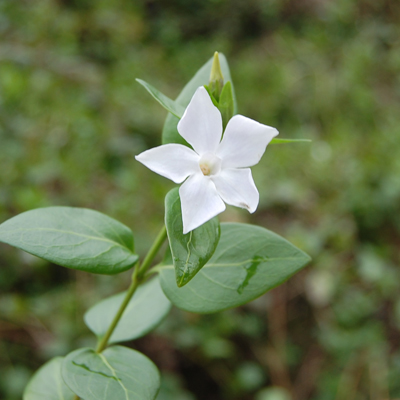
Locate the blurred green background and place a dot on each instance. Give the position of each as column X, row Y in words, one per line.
column 72, row 118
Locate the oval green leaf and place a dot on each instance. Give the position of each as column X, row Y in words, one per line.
column 190, row 252
column 47, row 383
column 170, row 133
column 118, row 373
column 76, row 238
column 144, row 312
column 170, row 105
column 249, row 261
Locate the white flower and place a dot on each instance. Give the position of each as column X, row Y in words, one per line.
column 216, row 169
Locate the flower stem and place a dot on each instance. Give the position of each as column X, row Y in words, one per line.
column 132, row 288
column 158, row 242
column 137, row 278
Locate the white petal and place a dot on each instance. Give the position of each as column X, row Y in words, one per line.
column 244, row 142
column 200, row 201
column 201, row 124
column 237, row 188
column 174, row 161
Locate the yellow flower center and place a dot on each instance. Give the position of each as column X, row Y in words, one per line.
column 210, row 164
column 205, row 169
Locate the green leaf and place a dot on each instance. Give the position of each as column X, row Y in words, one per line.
column 47, row 383
column 170, row 105
column 75, row 238
column 226, row 103
column 248, row 261
column 118, row 373
column 170, row 133
column 144, row 312
column 283, row 141
column 190, row 252
column 213, row 99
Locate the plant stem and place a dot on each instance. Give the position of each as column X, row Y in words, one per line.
column 132, row 288
column 158, row 242
column 137, row 278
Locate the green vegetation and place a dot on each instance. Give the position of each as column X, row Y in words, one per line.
column 72, row 117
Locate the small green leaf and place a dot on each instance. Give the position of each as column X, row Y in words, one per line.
column 170, row 105
column 190, row 252
column 170, row 133
column 76, row 238
column 283, row 141
column 47, row 383
column 226, row 103
column 144, row 312
column 213, row 99
column 249, row 261
column 118, row 373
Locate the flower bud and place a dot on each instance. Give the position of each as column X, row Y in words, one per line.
column 216, row 78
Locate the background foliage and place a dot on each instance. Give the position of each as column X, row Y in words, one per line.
column 72, row 117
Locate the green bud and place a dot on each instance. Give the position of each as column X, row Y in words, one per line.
column 216, row 78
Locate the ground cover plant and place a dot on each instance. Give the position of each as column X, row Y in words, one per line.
column 208, row 267
column 72, row 117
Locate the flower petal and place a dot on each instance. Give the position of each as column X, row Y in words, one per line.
column 237, row 188
column 174, row 161
column 201, row 124
column 199, row 201
column 244, row 142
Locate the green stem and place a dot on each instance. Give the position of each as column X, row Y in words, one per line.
column 132, row 289
column 158, row 242
column 137, row 278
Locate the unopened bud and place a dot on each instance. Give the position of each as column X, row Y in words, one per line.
column 216, row 78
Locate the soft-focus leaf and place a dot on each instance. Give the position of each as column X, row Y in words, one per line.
column 170, row 133
column 76, row 238
column 190, row 252
column 47, row 383
column 249, row 261
column 144, row 312
column 170, row 105
column 118, row 373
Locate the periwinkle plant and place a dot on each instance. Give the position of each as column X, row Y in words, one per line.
column 208, row 266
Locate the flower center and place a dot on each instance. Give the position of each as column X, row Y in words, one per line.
column 210, row 164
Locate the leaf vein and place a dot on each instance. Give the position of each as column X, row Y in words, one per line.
column 102, row 239
column 113, row 372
